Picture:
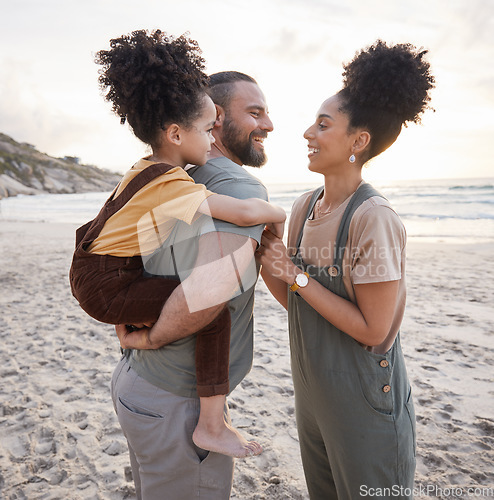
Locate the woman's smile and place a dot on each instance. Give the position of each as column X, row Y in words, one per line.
column 313, row 151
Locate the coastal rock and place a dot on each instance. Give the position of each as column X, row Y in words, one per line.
column 10, row 187
column 24, row 170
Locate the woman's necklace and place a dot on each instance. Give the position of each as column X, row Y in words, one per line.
column 319, row 212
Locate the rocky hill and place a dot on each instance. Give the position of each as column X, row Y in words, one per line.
column 24, row 170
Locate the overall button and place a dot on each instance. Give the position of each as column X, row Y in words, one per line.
column 333, row 271
column 384, row 363
column 386, row 388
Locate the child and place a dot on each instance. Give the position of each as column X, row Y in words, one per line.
column 157, row 83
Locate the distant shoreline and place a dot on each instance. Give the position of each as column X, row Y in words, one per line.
column 24, row 170
column 448, row 210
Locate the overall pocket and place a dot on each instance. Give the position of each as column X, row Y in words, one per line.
column 411, row 414
column 374, row 390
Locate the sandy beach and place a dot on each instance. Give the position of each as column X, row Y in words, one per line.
column 59, row 436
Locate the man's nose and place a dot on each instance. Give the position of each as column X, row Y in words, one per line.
column 267, row 124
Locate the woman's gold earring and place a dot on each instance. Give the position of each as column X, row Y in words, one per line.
column 352, row 159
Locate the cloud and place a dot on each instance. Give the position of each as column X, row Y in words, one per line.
column 295, row 50
column 63, row 125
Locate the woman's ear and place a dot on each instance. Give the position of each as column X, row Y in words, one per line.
column 361, row 141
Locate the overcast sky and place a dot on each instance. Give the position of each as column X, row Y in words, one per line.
column 295, row 49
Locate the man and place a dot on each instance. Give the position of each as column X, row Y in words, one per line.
column 154, row 389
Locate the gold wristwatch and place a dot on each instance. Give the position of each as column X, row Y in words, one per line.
column 301, row 280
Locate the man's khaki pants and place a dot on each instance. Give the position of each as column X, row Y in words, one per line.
column 158, row 426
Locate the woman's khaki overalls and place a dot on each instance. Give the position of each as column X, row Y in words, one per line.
column 354, row 410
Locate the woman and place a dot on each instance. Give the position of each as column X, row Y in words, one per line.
column 342, row 280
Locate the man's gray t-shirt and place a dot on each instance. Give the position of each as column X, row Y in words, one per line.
column 172, row 367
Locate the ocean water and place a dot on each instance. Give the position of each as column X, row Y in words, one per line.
column 454, row 210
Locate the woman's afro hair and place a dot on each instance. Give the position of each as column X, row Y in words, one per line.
column 384, row 87
column 152, row 80
column 395, row 78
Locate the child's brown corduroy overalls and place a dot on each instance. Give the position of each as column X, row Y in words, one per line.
column 114, row 290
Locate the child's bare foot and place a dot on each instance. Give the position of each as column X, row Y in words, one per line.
column 225, row 440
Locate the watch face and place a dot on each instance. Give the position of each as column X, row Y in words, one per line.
column 301, row 280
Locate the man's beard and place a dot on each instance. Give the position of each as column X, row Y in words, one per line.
column 243, row 149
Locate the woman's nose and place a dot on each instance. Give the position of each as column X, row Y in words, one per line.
column 308, row 133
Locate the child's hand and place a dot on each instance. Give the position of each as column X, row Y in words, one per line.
column 132, row 338
column 272, row 254
column 277, row 228
column 138, row 326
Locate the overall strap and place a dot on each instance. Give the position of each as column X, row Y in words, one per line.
column 364, row 192
column 137, row 183
column 315, row 195
column 91, row 230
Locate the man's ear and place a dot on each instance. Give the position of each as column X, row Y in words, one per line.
column 220, row 115
column 173, row 134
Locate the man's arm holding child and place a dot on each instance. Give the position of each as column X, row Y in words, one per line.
column 223, row 258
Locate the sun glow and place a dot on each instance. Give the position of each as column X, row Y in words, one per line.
column 297, row 63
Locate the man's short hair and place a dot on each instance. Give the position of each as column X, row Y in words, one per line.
column 221, row 86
